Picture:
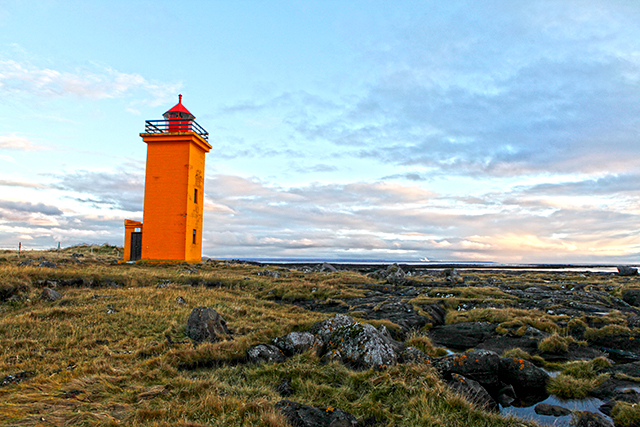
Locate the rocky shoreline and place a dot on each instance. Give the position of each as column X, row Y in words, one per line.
column 586, row 318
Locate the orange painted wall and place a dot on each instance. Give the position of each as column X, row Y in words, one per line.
column 129, row 227
column 170, row 212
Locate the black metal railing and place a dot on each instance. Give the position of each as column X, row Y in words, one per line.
column 175, row 125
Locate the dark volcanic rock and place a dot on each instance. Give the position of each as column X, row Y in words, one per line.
column 49, row 294
column 401, row 313
column 265, row 353
column 393, row 274
column 479, row 365
column 527, row 341
column 623, row 270
column 300, row 415
column 413, row 355
column 15, row 378
column 551, row 410
column 473, row 391
column 47, row 264
column 522, row 374
column 462, row 335
column 589, row 419
column 632, row 296
column 205, row 324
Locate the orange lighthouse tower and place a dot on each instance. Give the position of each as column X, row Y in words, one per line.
column 171, row 229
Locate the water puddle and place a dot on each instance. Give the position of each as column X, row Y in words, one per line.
column 528, row 412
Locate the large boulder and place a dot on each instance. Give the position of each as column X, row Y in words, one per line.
column 205, row 324
column 473, row 391
column 324, row 329
column 300, row 415
column 462, row 335
column 296, row 342
column 360, row 345
column 478, row 365
column 521, row 374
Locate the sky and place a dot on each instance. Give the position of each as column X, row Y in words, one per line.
column 504, row 131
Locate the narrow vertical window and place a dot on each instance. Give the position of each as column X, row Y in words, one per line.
column 194, row 236
column 195, row 195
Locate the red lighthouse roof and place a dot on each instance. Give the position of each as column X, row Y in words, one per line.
column 179, row 110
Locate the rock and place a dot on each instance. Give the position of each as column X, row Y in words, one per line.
column 479, row 365
column 25, row 262
column 413, row 355
column 49, row 294
column 393, row 274
column 462, row 335
column 76, row 255
column 205, row 324
column 296, row 342
column 180, row 300
column 284, row 389
column 324, row 329
column 589, row 419
column 327, row 268
column 630, row 396
column 265, row 353
column 47, row 264
column 551, row 410
column 360, row 346
column 527, row 341
column 15, row 378
column 452, row 276
column 506, row 395
column 632, row 297
column 623, row 270
column 436, row 311
column 473, row 391
column 401, row 313
column 633, row 321
column 300, row 415
column 521, row 374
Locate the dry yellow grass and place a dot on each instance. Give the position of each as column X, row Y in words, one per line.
column 113, row 352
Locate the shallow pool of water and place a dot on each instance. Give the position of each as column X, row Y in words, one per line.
column 590, row 405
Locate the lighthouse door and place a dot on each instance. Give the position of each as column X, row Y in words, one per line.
column 136, row 246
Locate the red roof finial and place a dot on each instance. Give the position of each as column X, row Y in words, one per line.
column 179, row 108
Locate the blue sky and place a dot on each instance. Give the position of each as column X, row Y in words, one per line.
column 461, row 130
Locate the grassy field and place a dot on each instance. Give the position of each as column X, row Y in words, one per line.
column 112, row 351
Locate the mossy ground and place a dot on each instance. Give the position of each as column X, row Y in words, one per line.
column 112, row 351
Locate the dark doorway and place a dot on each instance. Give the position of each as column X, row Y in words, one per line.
column 136, row 246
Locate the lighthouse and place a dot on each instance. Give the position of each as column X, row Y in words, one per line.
column 171, row 228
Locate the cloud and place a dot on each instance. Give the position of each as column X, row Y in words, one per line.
column 12, row 141
column 108, row 189
column 9, row 183
column 92, row 82
column 27, row 207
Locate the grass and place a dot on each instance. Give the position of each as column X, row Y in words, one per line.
column 626, row 415
column 112, row 351
column 578, row 378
